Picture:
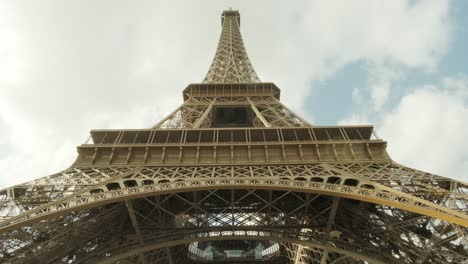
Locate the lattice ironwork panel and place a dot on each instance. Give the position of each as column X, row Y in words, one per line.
column 231, row 63
column 350, row 228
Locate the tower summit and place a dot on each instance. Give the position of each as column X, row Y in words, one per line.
column 234, row 176
column 231, row 63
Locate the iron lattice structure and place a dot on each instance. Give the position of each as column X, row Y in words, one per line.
column 234, row 176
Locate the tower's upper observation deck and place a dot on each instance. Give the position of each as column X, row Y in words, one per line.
column 231, row 63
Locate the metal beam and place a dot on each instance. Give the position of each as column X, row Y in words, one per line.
column 205, row 114
column 298, row 254
column 257, row 112
column 158, row 125
column 169, row 255
column 136, row 227
column 293, row 113
column 331, row 220
column 175, row 242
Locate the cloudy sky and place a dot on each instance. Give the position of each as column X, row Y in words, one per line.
column 69, row 66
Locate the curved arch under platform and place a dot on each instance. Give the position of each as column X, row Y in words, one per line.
column 324, row 179
column 304, row 239
column 326, row 227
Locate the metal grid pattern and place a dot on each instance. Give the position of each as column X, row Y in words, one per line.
column 313, row 228
column 231, row 63
column 196, row 112
column 324, row 194
column 187, row 197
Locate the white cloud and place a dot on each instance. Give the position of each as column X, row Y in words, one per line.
column 427, row 129
column 12, row 51
column 315, row 39
column 36, row 149
column 380, row 79
column 356, row 96
column 355, row 119
column 69, row 66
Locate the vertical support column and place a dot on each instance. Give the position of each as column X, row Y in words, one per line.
column 331, row 220
column 169, row 256
column 205, row 114
column 232, row 203
column 297, row 258
column 257, row 112
column 136, row 227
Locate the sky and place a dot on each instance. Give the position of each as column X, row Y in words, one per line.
column 67, row 67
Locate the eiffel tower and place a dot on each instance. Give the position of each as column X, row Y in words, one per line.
column 235, row 176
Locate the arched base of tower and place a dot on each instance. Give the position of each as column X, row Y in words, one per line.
column 308, row 228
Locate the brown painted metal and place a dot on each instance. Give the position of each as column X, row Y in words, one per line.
column 324, row 194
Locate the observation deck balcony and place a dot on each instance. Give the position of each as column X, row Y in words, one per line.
column 231, row 90
column 232, row 146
